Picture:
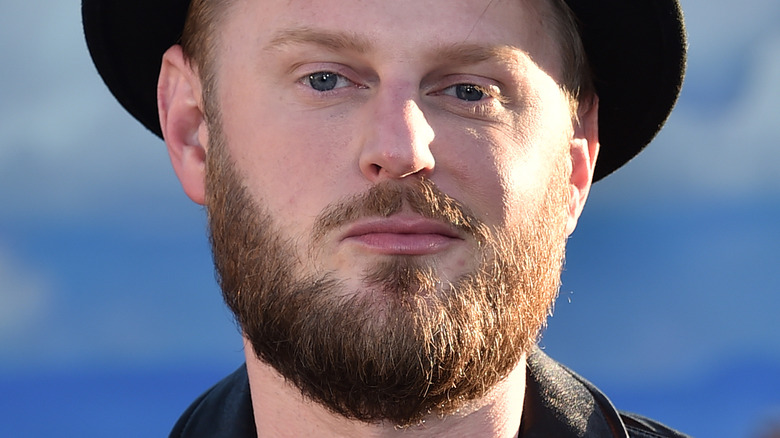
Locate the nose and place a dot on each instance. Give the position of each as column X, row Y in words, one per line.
column 397, row 139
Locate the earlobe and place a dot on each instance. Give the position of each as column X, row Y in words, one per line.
column 584, row 147
column 182, row 122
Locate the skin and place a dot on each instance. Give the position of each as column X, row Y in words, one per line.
column 394, row 115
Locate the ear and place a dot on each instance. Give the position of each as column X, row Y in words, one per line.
column 584, row 147
column 179, row 103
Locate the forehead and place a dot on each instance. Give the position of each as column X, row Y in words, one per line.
column 398, row 26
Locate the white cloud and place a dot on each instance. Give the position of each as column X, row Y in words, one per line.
column 24, row 298
column 720, row 29
column 65, row 144
column 732, row 150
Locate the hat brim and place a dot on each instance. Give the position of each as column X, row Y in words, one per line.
column 637, row 50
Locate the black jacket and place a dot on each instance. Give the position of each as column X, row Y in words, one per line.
column 558, row 403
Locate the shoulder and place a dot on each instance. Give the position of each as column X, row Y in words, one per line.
column 638, row 426
column 561, row 403
column 225, row 410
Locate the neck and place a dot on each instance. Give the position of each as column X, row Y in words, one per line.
column 281, row 410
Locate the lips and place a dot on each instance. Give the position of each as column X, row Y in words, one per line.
column 402, row 235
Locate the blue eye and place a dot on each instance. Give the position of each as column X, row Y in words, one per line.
column 467, row 92
column 326, row 81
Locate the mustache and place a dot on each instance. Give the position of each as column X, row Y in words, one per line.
column 421, row 196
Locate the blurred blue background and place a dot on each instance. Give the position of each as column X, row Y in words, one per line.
column 111, row 321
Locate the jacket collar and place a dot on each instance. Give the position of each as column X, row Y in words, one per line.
column 557, row 403
column 560, row 403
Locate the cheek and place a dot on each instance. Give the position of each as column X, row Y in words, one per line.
column 478, row 167
column 503, row 172
column 294, row 175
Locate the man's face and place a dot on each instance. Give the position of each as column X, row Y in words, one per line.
column 321, row 101
column 388, row 194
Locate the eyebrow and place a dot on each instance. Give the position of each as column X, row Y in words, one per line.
column 469, row 53
column 456, row 53
column 335, row 41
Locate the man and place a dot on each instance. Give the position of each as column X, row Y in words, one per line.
column 389, row 187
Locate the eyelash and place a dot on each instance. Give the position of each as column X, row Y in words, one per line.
column 485, row 92
column 342, row 81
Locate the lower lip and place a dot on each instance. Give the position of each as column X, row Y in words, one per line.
column 403, row 244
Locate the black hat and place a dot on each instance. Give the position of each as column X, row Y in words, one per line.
column 636, row 48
